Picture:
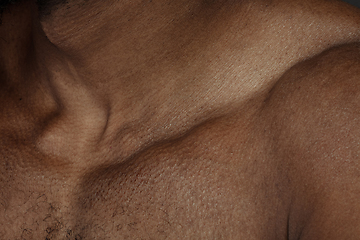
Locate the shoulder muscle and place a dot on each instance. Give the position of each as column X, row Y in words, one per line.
column 315, row 133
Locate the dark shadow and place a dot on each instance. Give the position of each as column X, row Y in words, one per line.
column 353, row 2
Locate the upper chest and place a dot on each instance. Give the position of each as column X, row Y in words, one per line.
column 215, row 182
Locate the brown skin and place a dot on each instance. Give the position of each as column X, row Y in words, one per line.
column 180, row 120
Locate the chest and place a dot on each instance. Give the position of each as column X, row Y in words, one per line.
column 207, row 185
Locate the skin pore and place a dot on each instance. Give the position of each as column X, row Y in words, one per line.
column 165, row 119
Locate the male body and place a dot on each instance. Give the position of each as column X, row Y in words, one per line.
column 180, row 120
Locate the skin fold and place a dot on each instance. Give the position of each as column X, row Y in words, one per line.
column 211, row 119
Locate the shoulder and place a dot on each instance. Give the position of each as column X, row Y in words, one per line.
column 313, row 121
column 314, row 108
column 318, row 101
column 328, row 83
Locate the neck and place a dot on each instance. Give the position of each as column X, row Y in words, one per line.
column 128, row 49
column 126, row 72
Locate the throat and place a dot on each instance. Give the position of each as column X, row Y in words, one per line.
column 71, row 136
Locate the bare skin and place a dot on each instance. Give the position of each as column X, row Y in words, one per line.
column 180, row 120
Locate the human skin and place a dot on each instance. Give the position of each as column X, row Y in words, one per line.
column 180, row 120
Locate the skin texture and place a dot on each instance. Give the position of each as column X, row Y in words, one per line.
column 180, row 120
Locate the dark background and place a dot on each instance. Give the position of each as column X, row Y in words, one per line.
column 353, row 2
